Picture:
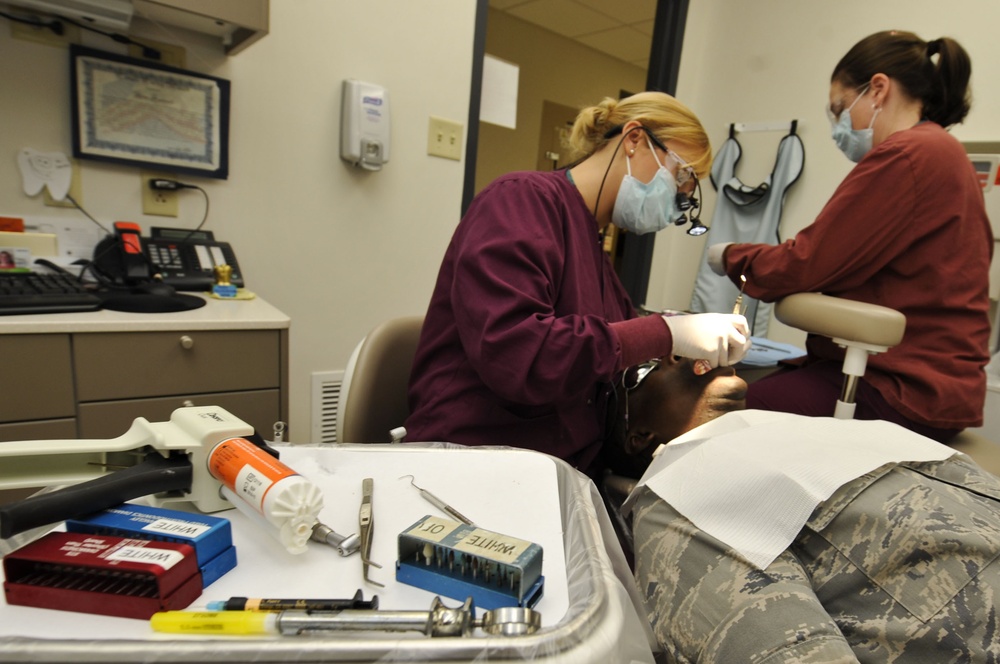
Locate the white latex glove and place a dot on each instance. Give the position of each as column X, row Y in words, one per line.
column 722, row 339
column 716, row 252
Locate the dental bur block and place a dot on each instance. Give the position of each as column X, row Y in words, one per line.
column 459, row 561
column 111, row 576
column 210, row 536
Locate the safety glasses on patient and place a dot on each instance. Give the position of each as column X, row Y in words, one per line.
column 632, row 378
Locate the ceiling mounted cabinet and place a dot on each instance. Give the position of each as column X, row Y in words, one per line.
column 237, row 23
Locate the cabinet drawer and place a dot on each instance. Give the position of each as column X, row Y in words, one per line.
column 41, row 430
column 37, row 377
column 148, row 364
column 260, row 409
column 44, row 430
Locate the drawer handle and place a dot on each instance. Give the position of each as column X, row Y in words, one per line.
column 187, row 342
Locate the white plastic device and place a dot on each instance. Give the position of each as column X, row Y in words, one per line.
column 364, row 124
column 227, row 469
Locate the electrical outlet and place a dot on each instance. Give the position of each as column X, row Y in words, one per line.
column 156, row 202
column 444, row 138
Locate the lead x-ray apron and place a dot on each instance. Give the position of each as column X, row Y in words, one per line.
column 745, row 214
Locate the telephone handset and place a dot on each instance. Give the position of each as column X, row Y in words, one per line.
column 185, row 259
column 135, row 268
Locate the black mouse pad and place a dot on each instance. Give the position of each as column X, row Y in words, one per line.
column 147, row 303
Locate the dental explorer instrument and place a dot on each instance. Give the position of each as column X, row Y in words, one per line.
column 440, row 504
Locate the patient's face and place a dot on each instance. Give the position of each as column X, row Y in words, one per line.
column 673, row 400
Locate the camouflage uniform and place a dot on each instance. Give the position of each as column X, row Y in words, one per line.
column 898, row 566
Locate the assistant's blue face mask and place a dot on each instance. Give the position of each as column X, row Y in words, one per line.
column 646, row 207
column 854, row 143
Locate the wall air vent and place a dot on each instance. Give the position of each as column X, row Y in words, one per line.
column 326, row 387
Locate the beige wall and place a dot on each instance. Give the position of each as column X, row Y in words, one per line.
column 771, row 60
column 335, row 248
column 552, row 68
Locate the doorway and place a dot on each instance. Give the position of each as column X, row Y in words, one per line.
column 576, row 76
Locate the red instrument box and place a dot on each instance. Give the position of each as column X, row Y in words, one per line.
column 112, row 576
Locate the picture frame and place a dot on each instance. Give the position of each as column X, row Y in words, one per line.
column 142, row 113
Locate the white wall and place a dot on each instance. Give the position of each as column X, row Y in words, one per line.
column 771, row 60
column 335, row 248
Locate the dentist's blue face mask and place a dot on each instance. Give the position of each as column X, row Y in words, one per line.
column 646, row 207
column 854, row 143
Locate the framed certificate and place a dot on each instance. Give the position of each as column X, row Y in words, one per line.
column 146, row 114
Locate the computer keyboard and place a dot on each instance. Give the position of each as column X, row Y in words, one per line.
column 31, row 293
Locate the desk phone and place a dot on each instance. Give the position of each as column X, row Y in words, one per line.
column 186, row 258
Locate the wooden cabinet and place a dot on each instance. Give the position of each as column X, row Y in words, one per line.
column 93, row 381
column 162, row 363
column 121, row 376
column 37, row 376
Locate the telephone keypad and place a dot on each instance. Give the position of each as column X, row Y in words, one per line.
column 165, row 256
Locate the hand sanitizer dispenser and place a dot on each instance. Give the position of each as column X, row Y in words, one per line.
column 364, row 125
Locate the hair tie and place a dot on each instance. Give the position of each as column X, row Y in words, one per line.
column 933, row 47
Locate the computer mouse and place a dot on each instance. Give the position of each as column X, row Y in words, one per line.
column 156, row 288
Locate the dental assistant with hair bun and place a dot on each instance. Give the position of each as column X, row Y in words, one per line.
column 907, row 229
column 528, row 328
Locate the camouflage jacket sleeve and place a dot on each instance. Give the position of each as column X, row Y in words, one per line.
column 900, row 564
column 706, row 605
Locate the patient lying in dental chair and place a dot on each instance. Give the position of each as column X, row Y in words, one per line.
column 898, row 563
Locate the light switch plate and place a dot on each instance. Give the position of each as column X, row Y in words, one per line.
column 444, row 138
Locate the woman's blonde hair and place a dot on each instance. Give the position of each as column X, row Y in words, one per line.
column 658, row 112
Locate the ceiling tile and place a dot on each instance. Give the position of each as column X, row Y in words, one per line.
column 503, row 5
column 623, row 11
column 622, row 29
column 645, row 27
column 623, row 43
column 563, row 17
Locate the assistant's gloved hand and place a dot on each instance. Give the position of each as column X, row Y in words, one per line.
column 722, row 339
column 716, row 256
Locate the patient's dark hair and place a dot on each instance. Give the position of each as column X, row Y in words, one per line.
column 936, row 72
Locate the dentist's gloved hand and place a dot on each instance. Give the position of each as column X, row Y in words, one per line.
column 722, row 339
column 716, row 256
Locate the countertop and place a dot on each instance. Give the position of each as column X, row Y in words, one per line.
column 215, row 315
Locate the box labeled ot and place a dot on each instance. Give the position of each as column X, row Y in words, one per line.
column 276, row 494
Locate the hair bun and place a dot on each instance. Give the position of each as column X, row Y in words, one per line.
column 603, row 112
column 933, row 47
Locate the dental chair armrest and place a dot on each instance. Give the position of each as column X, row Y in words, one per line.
column 845, row 321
